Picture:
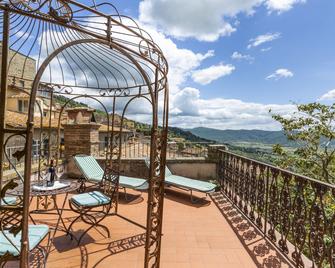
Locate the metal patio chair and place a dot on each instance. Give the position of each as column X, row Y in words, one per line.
column 93, row 207
column 10, row 229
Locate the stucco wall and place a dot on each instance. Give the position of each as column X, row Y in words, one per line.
column 199, row 169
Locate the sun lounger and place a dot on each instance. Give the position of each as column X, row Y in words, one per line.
column 187, row 184
column 93, row 173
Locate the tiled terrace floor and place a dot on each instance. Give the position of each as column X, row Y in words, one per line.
column 204, row 235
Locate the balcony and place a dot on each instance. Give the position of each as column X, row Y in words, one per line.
column 260, row 216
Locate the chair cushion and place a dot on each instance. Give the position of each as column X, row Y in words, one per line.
column 36, row 235
column 90, row 199
column 90, row 168
column 8, row 200
column 130, row 182
column 201, row 186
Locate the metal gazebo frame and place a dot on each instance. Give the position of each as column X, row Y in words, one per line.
column 81, row 51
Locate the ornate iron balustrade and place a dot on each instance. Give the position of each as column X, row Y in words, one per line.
column 296, row 213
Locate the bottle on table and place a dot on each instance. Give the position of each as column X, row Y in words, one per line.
column 51, row 176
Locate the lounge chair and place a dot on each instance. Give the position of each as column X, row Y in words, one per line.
column 187, row 184
column 92, row 172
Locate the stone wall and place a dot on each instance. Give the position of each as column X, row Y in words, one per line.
column 21, row 67
column 201, row 169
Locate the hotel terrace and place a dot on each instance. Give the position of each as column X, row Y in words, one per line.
column 68, row 202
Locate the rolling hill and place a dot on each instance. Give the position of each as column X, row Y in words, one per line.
column 242, row 136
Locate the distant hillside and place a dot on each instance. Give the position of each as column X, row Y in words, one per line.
column 100, row 116
column 242, row 136
column 187, row 135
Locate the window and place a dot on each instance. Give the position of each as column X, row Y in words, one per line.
column 21, row 83
column 22, row 106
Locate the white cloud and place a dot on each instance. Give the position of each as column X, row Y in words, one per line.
column 182, row 62
column 330, row 95
column 280, row 73
column 266, row 49
column 239, row 56
column 190, row 110
column 282, row 5
column 214, row 72
column 264, row 38
column 205, row 20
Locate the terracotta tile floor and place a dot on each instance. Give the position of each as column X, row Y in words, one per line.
column 194, row 236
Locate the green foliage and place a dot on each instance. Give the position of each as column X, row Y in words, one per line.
column 312, row 128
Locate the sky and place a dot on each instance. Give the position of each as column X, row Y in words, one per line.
column 231, row 61
column 245, row 57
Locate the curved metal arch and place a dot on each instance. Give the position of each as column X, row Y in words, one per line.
column 30, row 124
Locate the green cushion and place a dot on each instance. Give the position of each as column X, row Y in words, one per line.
column 132, row 183
column 36, row 235
column 90, row 167
column 8, row 200
column 90, row 199
column 93, row 172
column 179, row 181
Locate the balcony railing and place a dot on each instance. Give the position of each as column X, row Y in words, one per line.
column 296, row 213
column 174, row 150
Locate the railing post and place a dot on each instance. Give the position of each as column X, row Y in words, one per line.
column 266, row 199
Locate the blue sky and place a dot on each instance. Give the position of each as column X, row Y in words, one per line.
column 233, row 60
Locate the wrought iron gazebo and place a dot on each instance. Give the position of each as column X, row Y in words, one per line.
column 83, row 51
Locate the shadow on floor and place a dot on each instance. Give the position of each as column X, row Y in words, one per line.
column 260, row 250
column 119, row 246
column 184, row 198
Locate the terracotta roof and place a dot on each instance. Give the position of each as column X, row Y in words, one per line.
column 20, row 96
column 19, row 120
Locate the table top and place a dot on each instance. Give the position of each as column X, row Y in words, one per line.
column 72, row 185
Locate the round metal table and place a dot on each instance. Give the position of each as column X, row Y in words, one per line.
column 43, row 198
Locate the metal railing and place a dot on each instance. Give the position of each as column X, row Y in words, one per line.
column 174, row 150
column 10, row 160
column 296, row 213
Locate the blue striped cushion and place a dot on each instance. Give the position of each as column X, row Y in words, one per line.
column 8, row 200
column 36, row 235
column 89, row 167
column 201, row 186
column 90, row 199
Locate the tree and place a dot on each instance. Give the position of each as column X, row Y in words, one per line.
column 312, row 129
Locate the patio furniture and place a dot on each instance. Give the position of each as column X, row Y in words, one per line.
column 10, row 244
column 10, row 229
column 92, row 172
column 47, row 196
column 187, row 184
column 95, row 206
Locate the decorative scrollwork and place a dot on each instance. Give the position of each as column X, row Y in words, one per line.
column 260, row 196
column 299, row 225
column 57, row 9
column 285, row 209
column 58, row 89
column 156, row 196
column 273, row 204
column 60, row 11
column 318, row 226
column 10, row 218
column 115, row 92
